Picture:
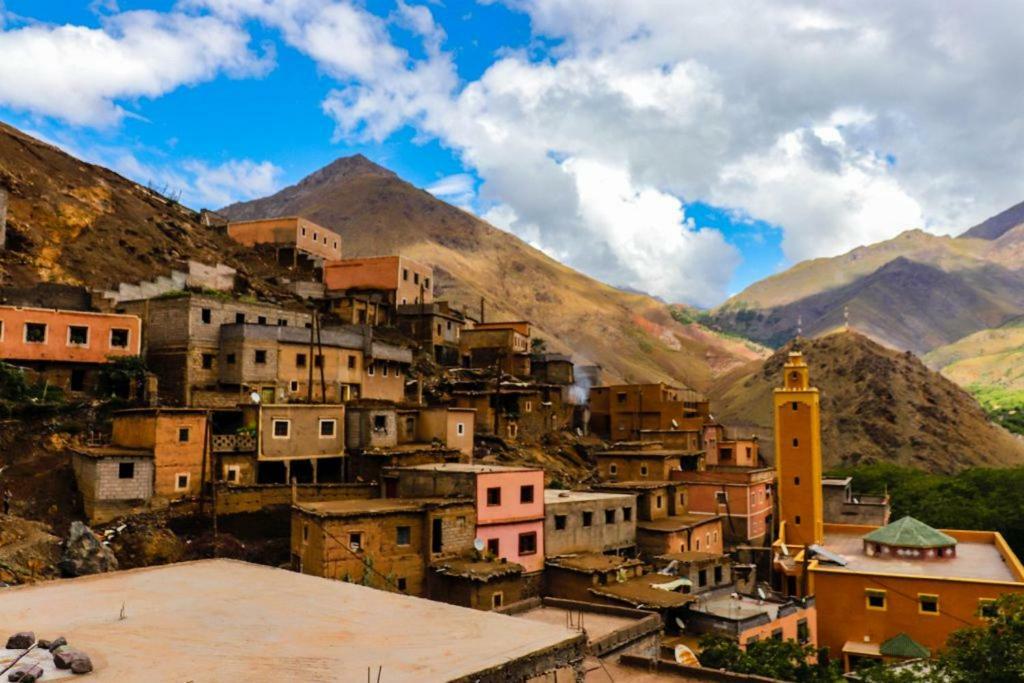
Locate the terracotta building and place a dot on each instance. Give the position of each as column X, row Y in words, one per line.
column 624, row 412
column 67, row 347
column 748, row 619
column 703, row 571
column 291, row 236
column 645, row 461
column 155, row 457
column 436, row 327
column 588, row 522
column 874, row 586
column 553, row 368
column 383, row 543
column 509, row 503
column 367, row 291
column 742, row 496
column 571, row 577
column 503, row 345
column 509, row 408
column 475, row 582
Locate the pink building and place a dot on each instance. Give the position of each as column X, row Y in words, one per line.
column 509, row 503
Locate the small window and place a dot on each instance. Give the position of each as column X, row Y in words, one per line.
column 207, row 361
column 560, row 521
column 384, row 369
column 460, row 429
column 777, row 634
column 497, row 598
column 796, row 520
column 621, row 397
column 315, row 237
column 282, row 429
column 426, row 283
column 718, row 574
column 987, row 608
column 528, row 543
column 126, row 470
column 528, row 406
column 206, row 316
column 403, row 534
column 803, row 631
column 232, row 476
column 300, row 360
column 35, row 333
column 305, row 532
column 370, row 368
column 721, row 497
column 415, row 278
column 796, row 442
column 405, row 273
column 293, row 386
column 380, row 423
column 657, row 502
column 181, row 481
column 796, row 481
column 609, row 516
column 183, row 434
column 874, row 599
column 627, row 514
column 240, row 318
column 261, row 320
column 494, row 496
column 230, row 359
column 118, row 338
column 281, row 322
column 588, row 519
column 78, row 335
column 401, row 581
column 355, row 541
column 351, row 362
column 928, row 604
column 260, row 357
column 643, row 470
column 698, row 545
column 526, row 494
column 613, row 469
column 702, row 578
column 493, row 546
column 795, row 405
column 327, row 428
column 318, row 361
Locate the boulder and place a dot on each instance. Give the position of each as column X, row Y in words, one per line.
column 85, row 554
column 81, row 664
column 21, row 640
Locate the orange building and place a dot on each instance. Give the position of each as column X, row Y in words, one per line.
column 291, row 235
column 405, row 281
column 66, row 346
column 882, row 593
column 626, row 412
column 505, row 344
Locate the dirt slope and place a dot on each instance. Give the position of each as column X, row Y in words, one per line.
column 877, row 405
column 990, row 358
column 631, row 336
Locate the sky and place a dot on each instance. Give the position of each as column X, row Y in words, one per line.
column 681, row 148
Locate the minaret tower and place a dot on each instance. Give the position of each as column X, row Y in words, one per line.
column 798, row 455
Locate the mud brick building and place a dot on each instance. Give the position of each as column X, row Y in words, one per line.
column 301, row 442
column 509, row 504
column 742, row 496
column 368, row 291
column 571, row 577
column 68, row 348
column 513, row 410
column 500, row 345
column 183, row 339
column 154, row 451
column 843, row 506
column 622, row 412
column 385, row 370
column 384, row 543
column 680, row 533
column 553, row 368
column 477, row 583
column 703, row 571
column 436, row 327
column 290, row 236
column 748, row 619
column 645, row 461
column 588, row 522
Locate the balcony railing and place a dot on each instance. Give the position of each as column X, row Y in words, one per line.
column 234, row 443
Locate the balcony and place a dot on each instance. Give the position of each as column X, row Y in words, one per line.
column 234, row 443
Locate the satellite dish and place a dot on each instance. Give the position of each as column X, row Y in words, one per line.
column 478, row 543
column 685, row 655
column 681, row 624
column 760, row 593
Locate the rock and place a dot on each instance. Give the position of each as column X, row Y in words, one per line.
column 53, row 645
column 81, row 663
column 84, row 554
column 21, row 640
column 64, row 657
column 29, row 673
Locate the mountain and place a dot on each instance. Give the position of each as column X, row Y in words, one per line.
column 632, row 336
column 877, row 405
column 988, row 360
column 916, row 291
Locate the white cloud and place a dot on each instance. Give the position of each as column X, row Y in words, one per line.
column 459, row 189
column 80, row 74
column 232, row 181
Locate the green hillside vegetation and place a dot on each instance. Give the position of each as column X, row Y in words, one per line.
column 977, row 498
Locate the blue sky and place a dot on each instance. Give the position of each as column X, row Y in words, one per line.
column 628, row 142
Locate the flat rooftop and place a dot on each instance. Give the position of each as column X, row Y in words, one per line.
column 592, row 562
column 375, row 506
column 225, row 620
column 467, row 467
column 555, row 496
column 597, row 624
column 676, row 522
column 640, row 592
column 974, row 560
column 722, row 604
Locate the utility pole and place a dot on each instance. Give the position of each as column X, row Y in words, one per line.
column 320, row 357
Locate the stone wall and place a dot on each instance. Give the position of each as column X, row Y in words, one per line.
column 238, row 499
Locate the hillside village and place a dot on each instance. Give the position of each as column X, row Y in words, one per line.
column 386, row 458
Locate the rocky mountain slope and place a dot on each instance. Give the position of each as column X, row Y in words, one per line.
column 877, row 405
column 632, row 336
column 992, row 358
column 916, row 291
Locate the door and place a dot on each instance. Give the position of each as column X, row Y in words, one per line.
column 436, row 536
column 267, row 395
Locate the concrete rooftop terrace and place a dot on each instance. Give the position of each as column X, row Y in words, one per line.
column 223, row 620
column 974, row 559
column 466, row 467
column 554, row 496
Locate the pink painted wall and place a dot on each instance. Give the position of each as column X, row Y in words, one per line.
column 511, row 509
column 508, row 541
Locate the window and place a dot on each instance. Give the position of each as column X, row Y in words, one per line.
column 401, row 583
column 293, row 385
column 327, row 428
column 560, row 522
column 777, row 634
column 77, row 379
column 721, row 497
column 260, row 357
column 643, row 470
column 300, row 360
column 281, row 322
column 181, row 481
column 796, row 520
column 232, row 476
column 493, row 546
column 927, row 604
column 528, row 543
column 405, row 273
column 796, row 481
column 657, row 502
column 613, row 469
column 315, row 237
column 621, row 397
column 303, row 232
column 351, row 362
column 718, row 575
column 370, row 368
column 698, row 544
column 702, row 578
column 261, row 320
column 206, row 316
column 380, row 423
column 460, row 429
column 125, row 470
column 240, row 318
column 35, row 333
column 384, row 369
column 118, row 338
column 527, row 406
column 526, row 494
column 402, row 535
column 796, row 442
column 355, row 540
column 318, row 361
column 588, row 519
column 282, row 429
column 803, row 632
column 183, row 434
column 207, row 361
column 494, row 496
column 627, row 514
column 231, row 359
column 426, row 283
column 609, row 516
column 874, row 599
column 305, row 532
column 415, row 278
column 987, row 608
column 496, row 599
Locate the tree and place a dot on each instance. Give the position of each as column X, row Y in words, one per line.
column 993, row 653
column 786, row 660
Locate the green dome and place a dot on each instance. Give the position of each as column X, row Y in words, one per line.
column 910, row 533
column 905, row 647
